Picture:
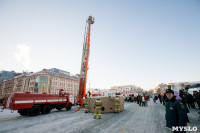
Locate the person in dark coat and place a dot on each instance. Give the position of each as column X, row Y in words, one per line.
column 189, row 100
column 146, row 100
column 137, row 99
column 140, row 100
column 175, row 111
column 129, row 99
column 159, row 97
column 197, row 98
column 183, row 100
column 164, row 98
column 186, row 96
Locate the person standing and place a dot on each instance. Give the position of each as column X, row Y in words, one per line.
column 159, row 97
column 156, row 99
column 164, row 98
column 146, row 100
column 89, row 93
column 177, row 96
column 86, row 105
column 182, row 99
column 143, row 101
column 137, row 99
column 97, row 110
column 175, row 111
column 191, row 100
column 153, row 97
column 140, row 100
column 187, row 100
column 116, row 103
column 197, row 98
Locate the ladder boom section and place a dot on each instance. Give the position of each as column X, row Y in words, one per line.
column 84, row 63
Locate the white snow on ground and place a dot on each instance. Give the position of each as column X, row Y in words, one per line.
column 133, row 119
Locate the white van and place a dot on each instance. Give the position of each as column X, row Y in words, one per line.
column 193, row 89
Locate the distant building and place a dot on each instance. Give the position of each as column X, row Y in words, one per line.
column 5, row 75
column 160, row 88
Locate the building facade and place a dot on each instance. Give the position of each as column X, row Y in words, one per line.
column 5, row 75
column 160, row 88
column 40, row 82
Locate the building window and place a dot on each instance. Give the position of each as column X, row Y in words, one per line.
column 41, row 83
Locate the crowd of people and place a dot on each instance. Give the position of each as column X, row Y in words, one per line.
column 140, row 99
column 189, row 100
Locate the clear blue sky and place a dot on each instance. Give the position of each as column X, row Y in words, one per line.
column 132, row 42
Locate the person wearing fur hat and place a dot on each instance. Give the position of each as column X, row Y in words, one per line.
column 175, row 111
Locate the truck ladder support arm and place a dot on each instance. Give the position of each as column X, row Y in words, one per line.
column 83, row 90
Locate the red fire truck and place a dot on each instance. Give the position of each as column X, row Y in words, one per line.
column 33, row 104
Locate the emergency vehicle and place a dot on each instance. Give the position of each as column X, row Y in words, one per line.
column 32, row 104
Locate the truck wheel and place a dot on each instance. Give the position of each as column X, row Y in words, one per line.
column 34, row 111
column 46, row 109
column 59, row 107
column 23, row 112
column 69, row 106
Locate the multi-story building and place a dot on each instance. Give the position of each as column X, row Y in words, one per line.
column 40, row 82
column 5, row 75
column 160, row 88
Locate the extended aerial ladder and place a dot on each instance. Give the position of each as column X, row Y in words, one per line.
column 84, row 63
